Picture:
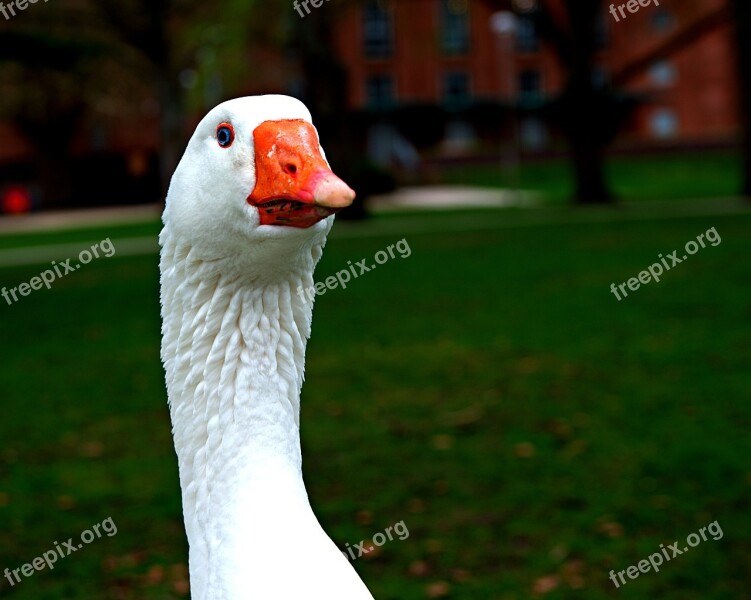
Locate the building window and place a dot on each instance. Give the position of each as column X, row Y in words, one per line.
column 530, row 86
column 533, row 133
column 377, row 30
column 662, row 20
column 527, row 39
column 456, row 89
column 455, row 26
column 663, row 74
column 663, row 123
column 379, row 92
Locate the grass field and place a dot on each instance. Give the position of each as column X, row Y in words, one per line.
column 709, row 174
column 531, row 431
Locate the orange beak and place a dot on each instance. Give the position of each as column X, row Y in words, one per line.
column 294, row 185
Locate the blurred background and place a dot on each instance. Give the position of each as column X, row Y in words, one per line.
column 532, row 431
column 100, row 98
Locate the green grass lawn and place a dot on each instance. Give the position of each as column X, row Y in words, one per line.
column 705, row 174
column 531, row 431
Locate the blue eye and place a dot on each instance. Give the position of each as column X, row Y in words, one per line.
column 225, row 135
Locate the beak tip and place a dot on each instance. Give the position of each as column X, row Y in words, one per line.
column 332, row 192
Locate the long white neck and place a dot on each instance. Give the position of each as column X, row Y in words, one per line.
column 234, row 352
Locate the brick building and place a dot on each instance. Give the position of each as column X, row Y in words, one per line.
column 454, row 52
column 417, row 66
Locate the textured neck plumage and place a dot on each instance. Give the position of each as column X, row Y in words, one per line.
column 233, row 345
column 233, row 350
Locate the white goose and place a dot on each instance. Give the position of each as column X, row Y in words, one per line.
column 247, row 215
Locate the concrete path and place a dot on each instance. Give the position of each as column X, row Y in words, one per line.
column 397, row 227
column 408, row 198
column 450, row 197
column 73, row 219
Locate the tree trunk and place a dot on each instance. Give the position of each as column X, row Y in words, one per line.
column 170, row 126
column 51, row 137
column 743, row 29
column 585, row 110
column 587, row 158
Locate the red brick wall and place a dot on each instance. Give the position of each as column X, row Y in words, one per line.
column 702, row 97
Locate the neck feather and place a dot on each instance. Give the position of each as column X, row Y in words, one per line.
column 234, row 353
column 233, row 347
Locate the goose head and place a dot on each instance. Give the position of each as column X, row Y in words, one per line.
column 254, row 184
column 246, row 217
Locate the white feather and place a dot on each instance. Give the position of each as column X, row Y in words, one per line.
column 234, row 336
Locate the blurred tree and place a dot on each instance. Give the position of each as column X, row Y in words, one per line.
column 590, row 115
column 144, row 26
column 742, row 13
column 103, row 61
column 587, row 113
column 44, row 77
column 705, row 21
column 165, row 42
column 170, row 39
column 700, row 22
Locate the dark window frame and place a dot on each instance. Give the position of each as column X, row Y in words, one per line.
column 455, row 27
column 527, row 39
column 378, row 29
column 383, row 98
column 456, row 100
column 531, row 95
